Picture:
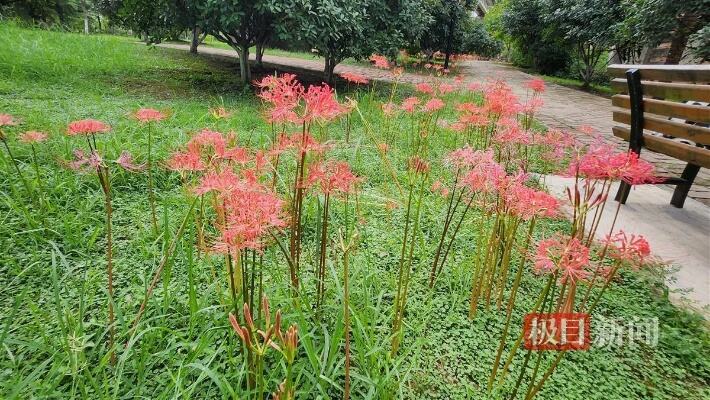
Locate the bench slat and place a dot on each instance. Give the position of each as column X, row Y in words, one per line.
column 695, row 155
column 668, row 91
column 673, row 73
column 688, row 112
column 697, row 134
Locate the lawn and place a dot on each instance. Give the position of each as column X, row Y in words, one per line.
column 53, row 298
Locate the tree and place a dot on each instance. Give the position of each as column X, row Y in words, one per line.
column 239, row 23
column 589, row 26
column 395, row 24
column 446, row 31
column 539, row 46
column 477, row 40
column 493, row 21
column 674, row 20
column 153, row 20
column 43, row 11
column 335, row 28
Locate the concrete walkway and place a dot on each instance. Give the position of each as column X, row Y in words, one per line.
column 678, row 237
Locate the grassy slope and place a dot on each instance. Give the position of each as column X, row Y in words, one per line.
column 48, row 79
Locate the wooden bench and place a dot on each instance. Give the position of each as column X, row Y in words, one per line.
column 672, row 101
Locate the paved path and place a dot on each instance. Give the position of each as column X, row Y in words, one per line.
column 564, row 108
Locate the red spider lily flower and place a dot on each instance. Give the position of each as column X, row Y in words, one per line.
column 631, row 249
column 261, row 161
column 424, row 88
column 483, row 173
column 187, row 161
column 397, row 71
column 428, row 65
column 7, row 120
column 475, row 120
column 434, row 104
column 500, row 99
column 532, row 106
column 222, row 182
column 537, row 85
column 527, row 203
column 80, row 161
column 446, row 88
column 409, row 104
column 237, row 154
column 418, row 165
column 251, row 212
column 149, row 114
column 283, row 94
column 475, row 87
column 604, row 162
column 468, row 107
column 83, row 162
column 380, row 61
column 507, row 184
column 458, row 126
column 305, row 143
column 510, row 132
column 321, row 104
column 207, row 139
column 220, row 113
column 558, row 141
column 282, row 143
column 566, row 255
column 86, row 127
column 467, row 157
column 637, row 171
column 587, row 130
column 354, row 78
column 332, row 177
column 459, row 79
column 389, row 109
column 33, row 137
column 125, row 160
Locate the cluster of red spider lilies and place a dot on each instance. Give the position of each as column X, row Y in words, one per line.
column 244, row 200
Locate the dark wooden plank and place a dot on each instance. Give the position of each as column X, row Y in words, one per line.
column 688, row 112
column 692, row 154
column 695, row 133
column 670, row 73
column 668, row 91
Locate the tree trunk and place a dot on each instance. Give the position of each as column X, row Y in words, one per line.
column 86, row 23
column 330, row 64
column 195, row 39
column 678, row 43
column 259, row 54
column 98, row 19
column 446, row 59
column 244, row 70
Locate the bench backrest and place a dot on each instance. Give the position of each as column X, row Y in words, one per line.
column 670, row 94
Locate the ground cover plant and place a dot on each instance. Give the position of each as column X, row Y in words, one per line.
column 383, row 241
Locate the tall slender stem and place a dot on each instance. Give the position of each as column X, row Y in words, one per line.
column 511, row 303
column 17, row 167
column 42, row 197
column 151, row 194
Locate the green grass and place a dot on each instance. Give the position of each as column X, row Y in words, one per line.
column 52, row 268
